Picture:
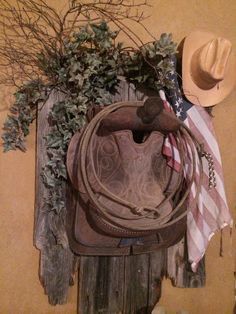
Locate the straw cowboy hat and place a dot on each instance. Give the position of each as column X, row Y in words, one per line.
column 208, row 68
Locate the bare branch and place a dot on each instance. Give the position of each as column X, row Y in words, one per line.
column 30, row 28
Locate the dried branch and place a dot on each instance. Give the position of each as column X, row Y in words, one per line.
column 30, row 29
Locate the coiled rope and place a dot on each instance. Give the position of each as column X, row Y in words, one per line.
column 187, row 144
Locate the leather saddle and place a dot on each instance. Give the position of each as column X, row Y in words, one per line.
column 126, row 190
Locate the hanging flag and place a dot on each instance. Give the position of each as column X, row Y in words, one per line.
column 211, row 213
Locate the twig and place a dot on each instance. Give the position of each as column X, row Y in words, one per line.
column 30, row 28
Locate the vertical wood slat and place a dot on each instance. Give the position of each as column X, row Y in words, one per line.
column 42, row 130
column 114, row 285
column 157, row 269
column 179, row 269
column 136, row 284
column 56, row 264
column 101, row 285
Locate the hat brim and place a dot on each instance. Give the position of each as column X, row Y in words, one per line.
column 196, row 95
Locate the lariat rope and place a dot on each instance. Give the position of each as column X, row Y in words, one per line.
column 184, row 138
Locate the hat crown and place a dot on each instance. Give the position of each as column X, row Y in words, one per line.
column 214, row 56
column 210, row 61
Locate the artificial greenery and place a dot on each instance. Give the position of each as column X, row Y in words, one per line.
column 150, row 66
column 86, row 75
column 22, row 114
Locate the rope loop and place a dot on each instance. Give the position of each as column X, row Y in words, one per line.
column 188, row 147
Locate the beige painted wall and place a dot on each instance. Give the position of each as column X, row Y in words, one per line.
column 20, row 290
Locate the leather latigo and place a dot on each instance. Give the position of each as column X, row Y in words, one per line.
column 136, row 173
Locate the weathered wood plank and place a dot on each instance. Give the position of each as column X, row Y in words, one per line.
column 157, row 269
column 101, row 285
column 136, row 284
column 179, row 269
column 176, row 263
column 56, row 264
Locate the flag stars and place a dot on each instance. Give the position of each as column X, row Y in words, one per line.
column 179, row 100
column 179, row 113
column 177, row 105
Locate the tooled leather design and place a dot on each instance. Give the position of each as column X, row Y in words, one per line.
column 126, row 168
column 134, row 172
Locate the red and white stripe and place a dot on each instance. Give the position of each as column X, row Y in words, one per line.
column 211, row 213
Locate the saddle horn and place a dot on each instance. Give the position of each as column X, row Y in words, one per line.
column 151, row 116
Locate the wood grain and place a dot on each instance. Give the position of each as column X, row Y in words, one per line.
column 56, row 263
column 179, row 269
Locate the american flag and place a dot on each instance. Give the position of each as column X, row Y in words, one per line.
column 211, row 213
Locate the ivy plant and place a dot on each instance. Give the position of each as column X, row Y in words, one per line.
column 87, row 74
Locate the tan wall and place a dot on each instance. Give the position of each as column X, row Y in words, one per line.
column 20, row 290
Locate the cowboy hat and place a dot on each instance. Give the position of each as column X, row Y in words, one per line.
column 208, row 68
